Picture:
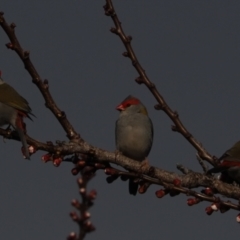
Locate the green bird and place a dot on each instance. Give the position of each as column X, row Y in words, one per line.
column 13, row 108
column 229, row 165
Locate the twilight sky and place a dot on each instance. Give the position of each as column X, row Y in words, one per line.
column 190, row 49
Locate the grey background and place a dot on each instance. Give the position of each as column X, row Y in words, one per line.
column 189, row 49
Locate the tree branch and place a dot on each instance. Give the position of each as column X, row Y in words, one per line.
column 42, row 85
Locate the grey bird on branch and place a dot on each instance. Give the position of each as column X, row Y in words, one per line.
column 133, row 133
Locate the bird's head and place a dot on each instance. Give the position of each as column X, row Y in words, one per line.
column 132, row 105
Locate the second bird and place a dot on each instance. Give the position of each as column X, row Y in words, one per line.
column 133, row 133
column 13, row 108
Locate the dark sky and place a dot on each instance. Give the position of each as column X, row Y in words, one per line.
column 189, row 49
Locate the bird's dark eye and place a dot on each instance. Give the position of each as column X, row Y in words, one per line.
column 128, row 105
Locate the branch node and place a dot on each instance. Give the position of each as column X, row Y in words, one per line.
column 134, row 63
column 26, row 54
column 114, row 30
column 158, row 107
column 175, row 114
column 151, row 85
column 61, row 114
column 129, row 39
column 174, row 128
column 139, row 80
column 45, row 83
column 12, row 25
column 10, row 46
column 125, row 54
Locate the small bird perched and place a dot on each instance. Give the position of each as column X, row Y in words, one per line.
column 13, row 108
column 133, row 133
column 229, row 165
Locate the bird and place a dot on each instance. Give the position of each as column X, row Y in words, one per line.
column 229, row 165
column 133, row 133
column 13, row 108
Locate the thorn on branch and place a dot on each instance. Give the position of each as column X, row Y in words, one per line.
column 125, row 54
column 174, row 128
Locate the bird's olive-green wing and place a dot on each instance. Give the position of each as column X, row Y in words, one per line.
column 10, row 97
column 234, row 151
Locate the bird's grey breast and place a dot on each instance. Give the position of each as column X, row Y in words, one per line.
column 134, row 135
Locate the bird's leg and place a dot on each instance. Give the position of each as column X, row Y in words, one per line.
column 144, row 165
column 7, row 129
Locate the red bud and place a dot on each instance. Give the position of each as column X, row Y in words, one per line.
column 111, row 171
column 75, row 171
column 74, row 216
column 47, row 157
column 193, row 201
column 209, row 210
column 160, row 193
column 238, row 218
column 208, row 191
column 92, row 195
column 57, row 162
column 177, row 182
column 72, row 236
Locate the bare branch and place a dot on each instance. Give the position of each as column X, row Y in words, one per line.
column 42, row 85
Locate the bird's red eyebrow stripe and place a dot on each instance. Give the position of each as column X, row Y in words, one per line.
column 133, row 101
column 230, row 163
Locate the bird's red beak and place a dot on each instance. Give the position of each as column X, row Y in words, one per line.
column 120, row 107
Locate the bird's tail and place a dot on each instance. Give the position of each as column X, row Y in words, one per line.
column 133, row 187
column 22, row 136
